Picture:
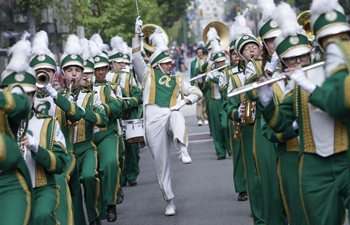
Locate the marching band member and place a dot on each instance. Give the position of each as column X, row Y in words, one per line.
column 105, row 137
column 234, row 75
column 161, row 109
column 287, row 143
column 215, row 101
column 16, row 193
column 323, row 142
column 332, row 33
column 247, row 47
column 55, row 105
column 130, row 90
column 201, row 108
column 82, row 135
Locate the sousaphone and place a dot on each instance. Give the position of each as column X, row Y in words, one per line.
column 223, row 32
column 147, row 30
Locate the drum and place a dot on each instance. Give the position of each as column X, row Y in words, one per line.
column 134, row 131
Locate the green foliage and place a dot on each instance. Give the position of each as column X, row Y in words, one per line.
column 172, row 11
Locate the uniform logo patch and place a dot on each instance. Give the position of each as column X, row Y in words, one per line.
column 273, row 24
column 19, row 77
column 41, row 58
column 165, row 80
column 74, row 56
column 294, row 40
column 97, row 59
column 331, row 16
column 245, row 37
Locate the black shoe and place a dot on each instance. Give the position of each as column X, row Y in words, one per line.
column 111, row 213
column 96, row 222
column 132, row 183
column 221, row 157
column 120, row 197
column 242, row 196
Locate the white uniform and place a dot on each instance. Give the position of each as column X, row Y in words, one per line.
column 162, row 124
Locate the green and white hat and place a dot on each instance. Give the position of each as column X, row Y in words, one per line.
column 117, row 45
column 72, row 53
column 219, row 56
column 161, row 53
column 245, row 39
column 267, row 26
column 88, row 60
column 293, row 40
column 328, row 18
column 97, row 52
column 18, row 70
column 42, row 57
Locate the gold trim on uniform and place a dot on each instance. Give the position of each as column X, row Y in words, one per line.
column 301, row 164
column 25, row 188
column 274, row 118
column 72, row 110
column 138, row 49
column 152, row 94
column 309, row 144
column 9, row 101
column 293, row 145
column 254, row 151
column 340, row 137
column 347, row 91
column 81, row 136
column 127, row 86
column 53, row 162
column 3, row 148
column 283, row 194
column 175, row 92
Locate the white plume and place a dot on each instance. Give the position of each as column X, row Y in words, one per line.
column 40, row 44
column 117, row 44
column 215, row 46
column 267, row 8
column 232, row 32
column 241, row 27
column 212, row 34
column 125, row 48
column 287, row 20
column 95, row 49
column 20, row 53
column 73, row 45
column 319, row 7
column 158, row 40
column 85, row 44
column 97, row 38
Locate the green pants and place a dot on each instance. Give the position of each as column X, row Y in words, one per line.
column 251, row 170
column 108, row 155
column 132, row 159
column 267, row 168
column 239, row 179
column 86, row 155
column 15, row 199
column 218, row 132
column 77, row 199
column 122, row 178
column 45, row 204
column 325, row 187
column 287, row 170
column 64, row 213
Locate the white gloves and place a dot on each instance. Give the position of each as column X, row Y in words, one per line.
column 299, row 77
column 265, row 94
column 32, row 143
column 210, row 75
column 51, row 91
column 178, row 106
column 138, row 25
column 295, row 125
column 274, row 62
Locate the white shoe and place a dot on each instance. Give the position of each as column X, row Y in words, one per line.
column 206, row 122
column 184, row 156
column 199, row 123
column 170, row 210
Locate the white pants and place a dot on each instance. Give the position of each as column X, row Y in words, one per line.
column 162, row 126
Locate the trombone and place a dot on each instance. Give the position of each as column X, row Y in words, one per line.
column 255, row 85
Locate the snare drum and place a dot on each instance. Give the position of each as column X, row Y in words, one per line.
column 134, row 131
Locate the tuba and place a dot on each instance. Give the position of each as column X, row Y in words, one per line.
column 223, row 32
column 304, row 19
column 42, row 78
column 147, row 30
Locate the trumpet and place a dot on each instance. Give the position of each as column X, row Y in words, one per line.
column 22, row 130
column 42, row 78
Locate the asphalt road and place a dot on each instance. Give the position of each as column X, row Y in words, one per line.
column 204, row 193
